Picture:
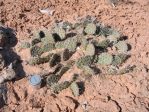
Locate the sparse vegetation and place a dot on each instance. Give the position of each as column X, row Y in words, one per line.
column 94, row 41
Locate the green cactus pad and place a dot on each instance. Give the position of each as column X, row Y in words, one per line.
column 114, row 37
column 90, row 50
column 60, row 32
column 35, row 51
column 105, row 59
column 54, row 60
column 56, row 88
column 90, row 28
column 40, row 60
column 48, row 47
column 122, row 46
column 119, row 59
column 84, row 61
column 75, row 89
column 88, row 70
column 48, row 39
column 52, row 79
column 67, row 44
column 35, row 41
column 103, row 44
column 84, row 43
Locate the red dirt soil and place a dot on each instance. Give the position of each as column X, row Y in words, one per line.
column 123, row 93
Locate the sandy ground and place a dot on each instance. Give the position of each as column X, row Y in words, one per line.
column 125, row 93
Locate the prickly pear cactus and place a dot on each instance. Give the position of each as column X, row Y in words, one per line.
column 35, row 41
column 88, row 70
column 60, row 32
column 67, row 44
column 84, row 43
column 48, row 39
column 40, row 60
column 105, row 59
column 103, row 44
column 75, row 89
column 48, row 47
column 84, row 61
column 90, row 28
column 122, row 46
column 57, row 87
column 90, row 50
column 36, row 51
column 119, row 59
column 52, row 79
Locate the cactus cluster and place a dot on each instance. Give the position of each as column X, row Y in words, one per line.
column 91, row 38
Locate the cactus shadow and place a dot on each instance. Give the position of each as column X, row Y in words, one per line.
column 82, row 87
column 129, row 47
column 123, row 38
column 71, row 34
